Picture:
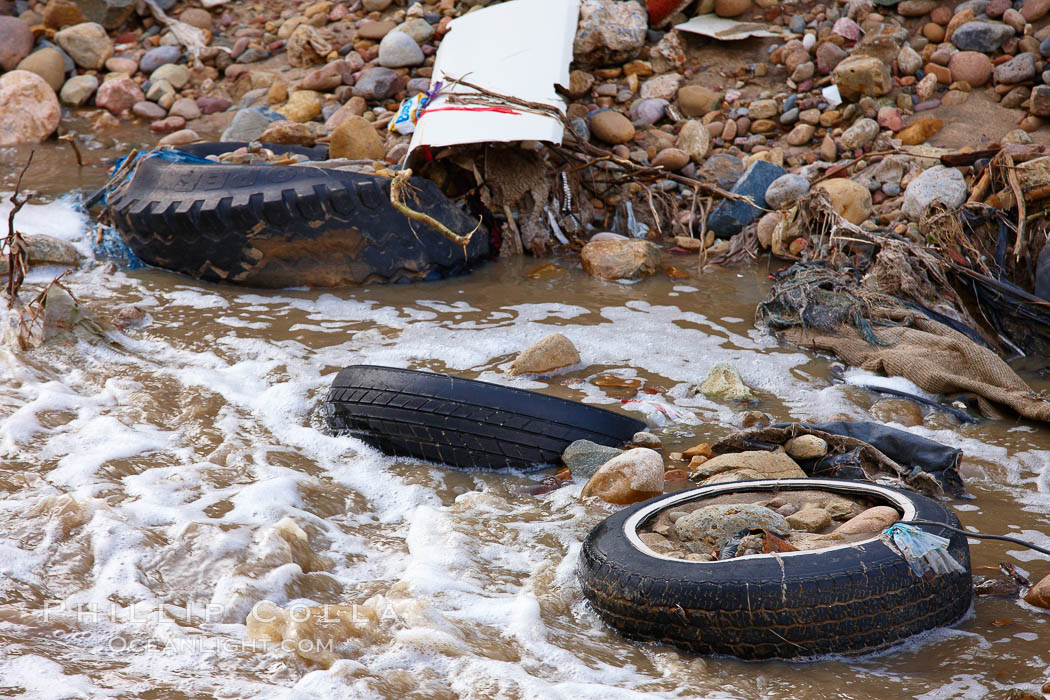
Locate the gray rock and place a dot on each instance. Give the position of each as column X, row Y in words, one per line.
column 398, row 50
column 786, row 188
column 580, row 128
column 712, row 526
column 648, row 112
column 417, row 28
column 157, row 57
column 609, row 33
column 584, row 458
column 860, row 134
column 729, row 217
column 253, row 55
column 1044, row 47
column 797, row 25
column 789, row 117
column 109, row 13
column 248, row 124
column 417, row 85
column 645, row 439
column 938, row 184
column 985, row 37
column 376, row 83
column 78, row 90
column 1017, row 70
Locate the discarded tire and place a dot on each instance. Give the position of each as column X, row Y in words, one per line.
column 840, row 600
column 462, row 422
column 281, row 226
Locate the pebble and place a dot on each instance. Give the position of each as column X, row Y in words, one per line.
column 398, row 50
column 696, row 101
column 870, row 521
column 984, row 37
column 971, row 67
column 16, row 41
column 1017, row 70
column 148, row 110
column 635, row 475
column 801, row 135
column 376, row 83
column 723, row 383
column 48, row 64
column 1039, row 594
column 712, row 526
column 118, row 95
column 806, row 447
column 672, row 159
column 809, row 519
column 620, row 259
column 168, row 125
column 553, row 352
column 612, row 127
column 157, row 57
column 356, row 139
column 786, row 188
column 29, row 110
column 858, row 76
column 649, row 111
column 694, row 140
column 248, row 124
column 584, row 458
column 78, row 90
column 180, row 138
column 936, row 184
column 862, row 133
column 185, row 108
column 87, row 44
column 177, row 76
column 850, row 199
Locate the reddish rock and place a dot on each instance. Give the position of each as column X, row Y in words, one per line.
column 148, row 110
column 16, row 41
column 942, row 14
column 118, row 95
column 971, row 67
column 211, row 105
column 168, row 125
column 828, row 56
column 1033, row 10
column 890, row 118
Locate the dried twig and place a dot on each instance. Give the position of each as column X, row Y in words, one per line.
column 70, row 138
column 398, row 185
column 17, row 258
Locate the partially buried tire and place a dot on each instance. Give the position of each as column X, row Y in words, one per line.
column 463, row 422
column 285, row 226
column 846, row 599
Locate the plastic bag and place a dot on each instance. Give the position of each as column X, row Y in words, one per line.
column 923, row 551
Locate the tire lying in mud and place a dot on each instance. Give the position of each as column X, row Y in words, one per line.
column 848, row 599
column 462, row 422
column 285, row 226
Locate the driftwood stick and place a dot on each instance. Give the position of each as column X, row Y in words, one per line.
column 397, row 187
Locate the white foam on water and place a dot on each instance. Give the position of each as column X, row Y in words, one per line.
column 181, row 510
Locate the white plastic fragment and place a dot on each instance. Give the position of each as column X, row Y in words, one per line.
column 521, row 49
column 728, row 29
column 831, row 95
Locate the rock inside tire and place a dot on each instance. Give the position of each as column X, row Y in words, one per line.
column 462, row 422
column 847, row 599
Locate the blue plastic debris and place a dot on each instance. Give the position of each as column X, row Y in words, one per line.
column 923, row 551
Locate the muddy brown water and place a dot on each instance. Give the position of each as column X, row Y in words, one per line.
column 156, row 488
